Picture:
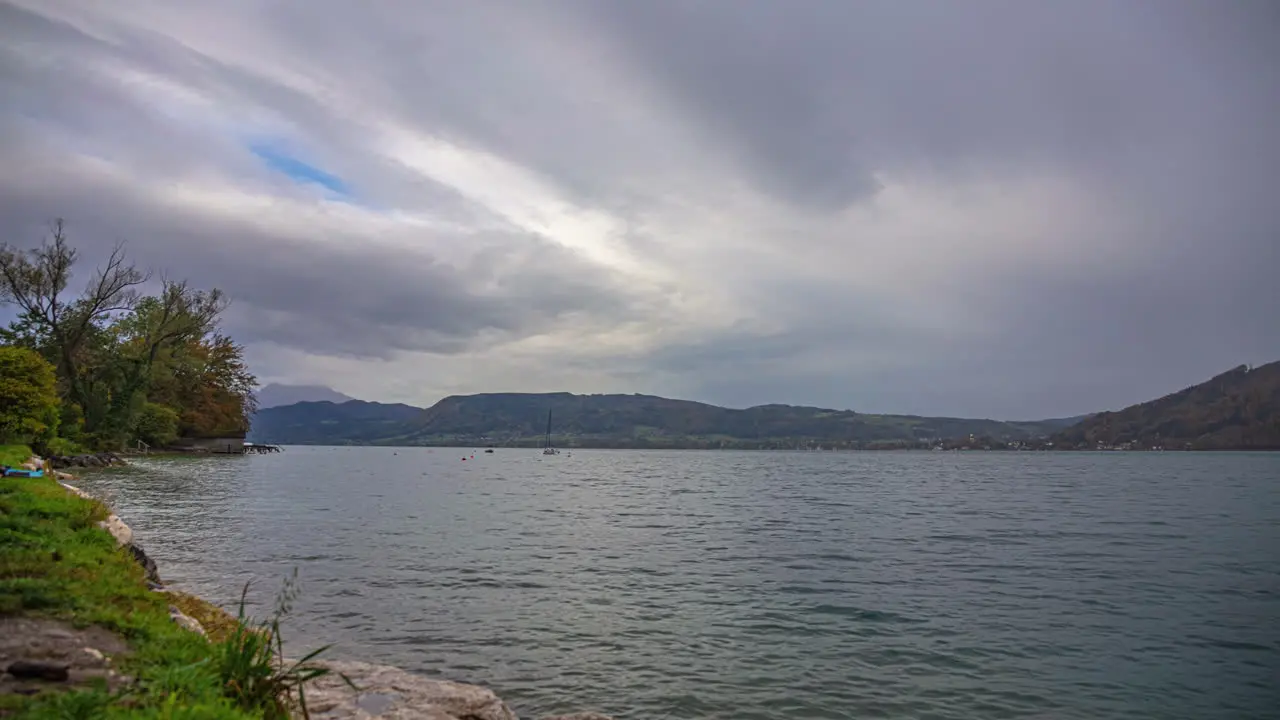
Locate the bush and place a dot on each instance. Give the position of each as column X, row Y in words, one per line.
column 157, row 425
column 29, row 409
column 61, row 446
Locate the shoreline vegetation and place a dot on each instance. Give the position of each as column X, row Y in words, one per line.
column 67, row 566
column 89, row 631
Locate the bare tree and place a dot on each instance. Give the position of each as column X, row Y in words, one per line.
column 36, row 282
column 179, row 314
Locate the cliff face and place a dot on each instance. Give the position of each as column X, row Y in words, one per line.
column 1237, row 410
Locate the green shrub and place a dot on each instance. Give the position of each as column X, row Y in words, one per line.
column 62, row 446
column 29, row 410
column 157, row 425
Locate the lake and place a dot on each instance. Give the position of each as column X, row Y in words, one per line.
column 753, row 584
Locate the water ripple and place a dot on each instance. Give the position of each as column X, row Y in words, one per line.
column 754, row 585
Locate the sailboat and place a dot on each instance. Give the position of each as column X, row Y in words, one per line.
column 546, row 446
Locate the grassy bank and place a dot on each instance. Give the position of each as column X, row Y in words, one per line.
column 55, row 563
column 14, row 455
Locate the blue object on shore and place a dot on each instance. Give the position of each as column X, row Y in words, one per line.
column 17, row 472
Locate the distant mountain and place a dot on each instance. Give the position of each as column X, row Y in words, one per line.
column 624, row 421
column 275, row 395
column 1237, row 410
column 354, row 422
column 1064, row 422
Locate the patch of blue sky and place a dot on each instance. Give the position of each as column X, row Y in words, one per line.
column 301, row 172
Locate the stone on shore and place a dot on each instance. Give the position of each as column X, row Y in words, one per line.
column 123, row 535
column 102, row 459
column 37, row 654
column 121, row 532
column 186, row 622
column 394, row 694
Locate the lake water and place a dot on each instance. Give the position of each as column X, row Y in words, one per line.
column 756, row 585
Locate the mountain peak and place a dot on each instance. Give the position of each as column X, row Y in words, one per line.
column 277, row 394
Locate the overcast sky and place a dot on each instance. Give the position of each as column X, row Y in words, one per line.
column 1004, row 209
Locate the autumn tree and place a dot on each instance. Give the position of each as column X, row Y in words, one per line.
column 128, row 365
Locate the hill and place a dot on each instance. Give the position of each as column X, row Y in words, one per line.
column 354, row 422
column 622, row 421
column 1237, row 410
column 275, row 395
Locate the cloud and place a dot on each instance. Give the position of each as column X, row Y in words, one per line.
column 1010, row 209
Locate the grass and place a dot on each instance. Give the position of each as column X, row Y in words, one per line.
column 56, row 563
column 14, row 455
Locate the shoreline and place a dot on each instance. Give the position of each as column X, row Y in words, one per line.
column 384, row 691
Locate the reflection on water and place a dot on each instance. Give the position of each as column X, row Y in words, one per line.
column 756, row 585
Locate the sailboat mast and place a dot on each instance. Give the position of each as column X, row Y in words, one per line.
column 548, row 442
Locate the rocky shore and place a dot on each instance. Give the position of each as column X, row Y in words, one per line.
column 33, row 651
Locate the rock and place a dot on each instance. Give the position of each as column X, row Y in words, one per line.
column 121, row 532
column 103, row 459
column 395, row 694
column 124, row 536
column 94, row 656
column 153, row 573
column 85, row 652
column 34, row 670
column 63, row 476
column 77, row 491
column 186, row 621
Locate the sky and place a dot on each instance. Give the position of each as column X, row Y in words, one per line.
column 991, row 208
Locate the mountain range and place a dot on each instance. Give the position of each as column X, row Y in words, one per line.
column 632, row 421
column 1239, row 409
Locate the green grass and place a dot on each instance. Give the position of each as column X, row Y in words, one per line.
column 14, row 455
column 56, row 563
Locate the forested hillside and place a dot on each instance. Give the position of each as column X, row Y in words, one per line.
column 1237, row 410
column 613, row 421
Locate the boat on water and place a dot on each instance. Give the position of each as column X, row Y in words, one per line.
column 546, row 445
column 20, row 473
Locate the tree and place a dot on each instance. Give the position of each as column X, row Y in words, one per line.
column 209, row 380
column 127, row 365
column 36, row 281
column 28, row 397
